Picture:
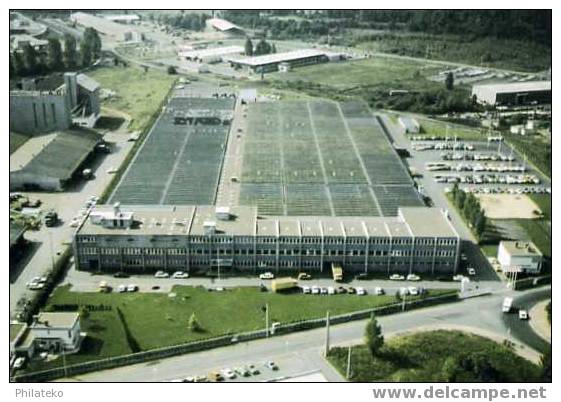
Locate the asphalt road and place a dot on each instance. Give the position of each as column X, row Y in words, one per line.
column 301, row 352
column 52, row 241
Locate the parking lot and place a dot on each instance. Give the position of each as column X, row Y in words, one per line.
column 47, row 244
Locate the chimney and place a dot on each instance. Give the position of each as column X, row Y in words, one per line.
column 71, row 85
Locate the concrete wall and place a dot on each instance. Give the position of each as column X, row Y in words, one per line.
column 35, row 112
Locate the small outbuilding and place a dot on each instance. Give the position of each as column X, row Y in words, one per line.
column 520, row 256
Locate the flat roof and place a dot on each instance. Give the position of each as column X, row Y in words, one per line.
column 521, row 248
column 515, row 86
column 56, row 319
column 241, row 223
column 148, row 220
column 183, row 220
column 279, row 57
column 426, row 222
column 213, row 51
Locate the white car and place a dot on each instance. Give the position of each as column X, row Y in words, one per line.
column 35, row 286
column 397, row 277
column 228, row 373
column 457, row 278
column 112, row 170
column 378, row 291
column 180, row 275
column 122, row 288
column 471, row 271
column 323, row 291
column 403, row 291
column 19, row 362
column 413, row 277
column 360, row 291
column 161, row 274
column 315, row 290
column 413, row 291
column 522, row 314
column 306, row 290
column 267, row 275
column 330, row 290
column 132, row 288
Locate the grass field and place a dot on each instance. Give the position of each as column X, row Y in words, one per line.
column 17, row 140
column 375, row 73
column 156, row 319
column 138, row 93
column 438, row 128
column 428, row 357
column 544, row 202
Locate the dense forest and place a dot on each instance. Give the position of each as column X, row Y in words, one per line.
column 526, row 25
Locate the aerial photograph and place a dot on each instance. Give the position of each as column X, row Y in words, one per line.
column 295, row 195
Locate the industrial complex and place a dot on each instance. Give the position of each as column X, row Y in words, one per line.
column 516, row 93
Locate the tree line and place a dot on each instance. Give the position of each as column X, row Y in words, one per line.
column 470, row 207
column 29, row 61
column 190, row 21
column 262, row 47
column 526, row 25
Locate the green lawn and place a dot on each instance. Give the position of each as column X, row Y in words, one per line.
column 438, row 128
column 544, row 202
column 429, row 357
column 17, row 140
column 374, row 73
column 156, row 320
column 536, row 148
column 490, row 250
column 138, row 94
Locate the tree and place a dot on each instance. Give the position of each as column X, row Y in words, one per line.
column 480, row 223
column 450, row 81
column 461, row 199
column 248, row 47
column 545, row 365
column 263, row 47
column 194, row 323
column 86, row 54
column 54, row 55
column 273, row 48
column 70, row 54
column 30, row 59
column 18, row 64
column 84, row 312
column 373, row 336
column 450, row 369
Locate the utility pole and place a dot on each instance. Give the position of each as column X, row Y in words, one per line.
column 267, row 318
column 327, row 333
column 349, row 364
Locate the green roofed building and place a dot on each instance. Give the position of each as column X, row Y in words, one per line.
column 57, row 162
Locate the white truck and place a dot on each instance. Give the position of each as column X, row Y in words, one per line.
column 507, row 304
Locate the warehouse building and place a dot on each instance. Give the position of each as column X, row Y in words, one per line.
column 520, row 256
column 57, row 163
column 210, row 55
column 199, row 239
column 513, row 94
column 226, row 27
column 107, row 27
column 55, row 104
column 280, row 61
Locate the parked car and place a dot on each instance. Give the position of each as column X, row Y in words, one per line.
column 413, row 277
column 523, row 314
column 267, row 275
column 341, row 290
column 315, row 290
column 161, row 274
column 304, row 276
column 122, row 289
column 361, row 276
column 403, row 291
column 323, row 291
column 271, row 365
column 180, row 275
column 132, row 288
column 378, row 291
column 228, row 373
column 306, row 290
column 19, row 362
column 215, row 377
column 253, row 370
column 413, row 291
column 201, row 378
column 471, row 271
column 457, row 278
column 351, row 290
column 242, row 371
column 397, row 277
column 120, row 275
column 360, row 291
column 330, row 290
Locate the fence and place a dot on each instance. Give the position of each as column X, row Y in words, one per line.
column 527, row 283
column 168, row 351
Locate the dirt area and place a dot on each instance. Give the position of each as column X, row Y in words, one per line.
column 508, row 206
column 538, row 320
